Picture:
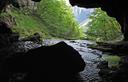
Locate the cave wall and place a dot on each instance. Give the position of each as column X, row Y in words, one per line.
column 31, row 4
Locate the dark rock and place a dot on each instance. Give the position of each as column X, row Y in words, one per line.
column 119, row 74
column 104, row 73
column 15, row 3
column 7, row 37
column 5, row 3
column 14, row 37
column 72, row 41
column 36, row 0
column 85, row 3
column 103, row 65
column 5, row 32
column 119, row 48
column 34, row 38
column 54, row 62
column 4, row 28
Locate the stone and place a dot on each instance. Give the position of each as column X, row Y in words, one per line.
column 34, row 38
column 103, row 65
column 119, row 74
column 36, row 0
column 54, row 62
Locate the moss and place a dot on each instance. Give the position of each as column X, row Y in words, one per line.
column 113, row 61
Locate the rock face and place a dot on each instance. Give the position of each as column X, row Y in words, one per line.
column 114, row 8
column 28, row 4
column 7, row 37
column 119, row 74
column 54, row 62
column 31, row 4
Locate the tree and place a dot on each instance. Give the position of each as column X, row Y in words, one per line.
column 59, row 18
column 102, row 27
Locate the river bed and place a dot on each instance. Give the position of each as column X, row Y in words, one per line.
column 91, row 57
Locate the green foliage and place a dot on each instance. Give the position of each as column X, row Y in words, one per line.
column 27, row 24
column 113, row 61
column 102, row 27
column 53, row 18
column 59, row 19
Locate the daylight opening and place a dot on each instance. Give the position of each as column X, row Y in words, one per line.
column 97, row 25
column 54, row 41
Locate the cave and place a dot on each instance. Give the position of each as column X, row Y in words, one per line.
column 21, row 59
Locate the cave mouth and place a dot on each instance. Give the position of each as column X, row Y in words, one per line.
column 112, row 8
column 30, row 20
column 97, row 24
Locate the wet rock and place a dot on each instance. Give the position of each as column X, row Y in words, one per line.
column 72, row 41
column 103, row 65
column 57, row 61
column 119, row 74
column 105, row 72
column 34, row 38
column 122, row 72
column 118, row 48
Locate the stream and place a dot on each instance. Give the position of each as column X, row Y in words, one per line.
column 91, row 57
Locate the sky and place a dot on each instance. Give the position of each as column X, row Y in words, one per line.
column 81, row 14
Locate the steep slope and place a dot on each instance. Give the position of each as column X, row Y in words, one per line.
column 49, row 18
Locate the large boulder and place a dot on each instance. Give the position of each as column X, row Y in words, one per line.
column 44, row 63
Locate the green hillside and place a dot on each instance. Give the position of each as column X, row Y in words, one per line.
column 52, row 19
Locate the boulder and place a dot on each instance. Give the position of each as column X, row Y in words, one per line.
column 44, row 63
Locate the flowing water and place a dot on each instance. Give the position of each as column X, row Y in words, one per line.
column 91, row 57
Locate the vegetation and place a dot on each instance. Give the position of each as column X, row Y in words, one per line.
column 102, row 27
column 113, row 61
column 52, row 19
column 59, row 19
column 28, row 24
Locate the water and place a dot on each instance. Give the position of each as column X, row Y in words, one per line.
column 91, row 57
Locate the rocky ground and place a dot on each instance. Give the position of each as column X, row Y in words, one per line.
column 96, row 69
column 91, row 57
column 120, row 49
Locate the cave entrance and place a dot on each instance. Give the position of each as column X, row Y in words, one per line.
column 97, row 25
column 111, row 7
